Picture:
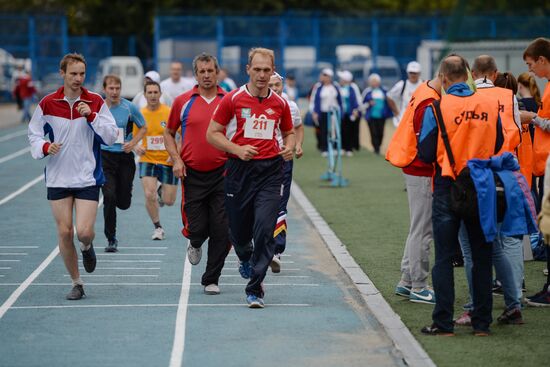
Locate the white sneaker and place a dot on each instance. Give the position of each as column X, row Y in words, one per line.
column 276, row 263
column 158, row 234
column 324, row 154
column 349, row 153
column 194, row 254
column 212, row 289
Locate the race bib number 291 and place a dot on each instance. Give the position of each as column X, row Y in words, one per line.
column 258, row 128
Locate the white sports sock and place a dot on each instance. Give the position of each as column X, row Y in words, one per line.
column 77, row 281
column 84, row 247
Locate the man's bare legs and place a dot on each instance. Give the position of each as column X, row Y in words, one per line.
column 62, row 210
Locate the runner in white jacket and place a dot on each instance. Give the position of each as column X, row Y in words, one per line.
column 70, row 125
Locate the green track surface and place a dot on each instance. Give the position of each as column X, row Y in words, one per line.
column 371, row 218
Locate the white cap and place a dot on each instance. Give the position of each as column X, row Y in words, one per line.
column 413, row 67
column 327, row 72
column 345, row 75
column 153, row 75
column 277, row 75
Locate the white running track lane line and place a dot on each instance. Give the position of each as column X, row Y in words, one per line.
column 22, row 189
column 276, row 276
column 158, row 305
column 23, row 286
column 13, row 254
column 5, row 268
column 121, row 268
column 14, row 155
column 129, row 284
column 118, row 254
column 236, row 261
column 115, row 275
column 27, row 282
column 140, row 248
column 128, row 261
column 18, row 246
column 13, row 135
column 14, row 261
column 176, row 358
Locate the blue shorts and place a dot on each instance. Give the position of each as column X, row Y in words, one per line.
column 83, row 193
column 162, row 172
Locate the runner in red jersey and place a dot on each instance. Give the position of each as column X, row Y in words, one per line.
column 245, row 125
column 201, row 167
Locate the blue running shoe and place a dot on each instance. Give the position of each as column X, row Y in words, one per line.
column 403, row 291
column 245, row 269
column 254, row 301
column 425, row 295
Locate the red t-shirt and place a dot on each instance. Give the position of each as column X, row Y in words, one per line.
column 254, row 121
column 193, row 113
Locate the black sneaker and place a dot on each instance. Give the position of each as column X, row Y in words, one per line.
column 536, row 295
column 512, row 317
column 112, row 246
column 497, row 288
column 76, row 293
column 434, row 330
column 89, row 259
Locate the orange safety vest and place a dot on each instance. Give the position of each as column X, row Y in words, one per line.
column 402, row 149
column 505, row 99
column 541, row 142
column 525, row 154
column 471, row 124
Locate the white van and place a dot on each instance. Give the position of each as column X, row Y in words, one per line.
column 128, row 68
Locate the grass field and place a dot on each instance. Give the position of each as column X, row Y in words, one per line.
column 371, row 218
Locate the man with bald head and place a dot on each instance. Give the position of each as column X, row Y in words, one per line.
column 471, row 127
column 176, row 84
column 507, row 250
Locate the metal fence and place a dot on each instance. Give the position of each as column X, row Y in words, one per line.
column 316, row 37
column 42, row 41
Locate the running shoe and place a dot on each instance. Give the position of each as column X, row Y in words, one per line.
column 545, row 272
column 403, row 290
column 497, row 288
column 159, row 196
column 464, row 320
column 276, row 263
column 425, row 296
column 481, row 332
column 76, row 293
column 158, row 234
column 512, row 317
column 542, row 300
column 255, row 301
column 194, row 254
column 245, row 269
column 89, row 259
column 540, row 293
column 212, row 289
column 434, row 330
column 112, row 245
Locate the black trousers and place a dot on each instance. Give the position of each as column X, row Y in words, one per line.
column 376, row 128
column 323, row 130
column 252, row 198
column 203, row 215
column 119, row 170
column 350, row 133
